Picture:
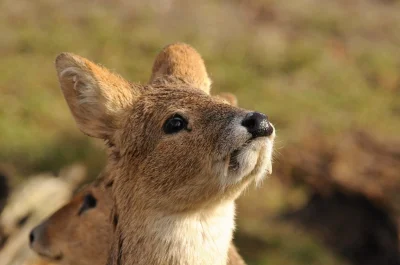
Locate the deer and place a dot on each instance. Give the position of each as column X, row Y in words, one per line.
column 178, row 159
column 79, row 232
column 67, row 236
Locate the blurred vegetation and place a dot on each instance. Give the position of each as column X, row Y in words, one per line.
column 332, row 65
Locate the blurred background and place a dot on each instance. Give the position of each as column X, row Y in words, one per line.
column 327, row 73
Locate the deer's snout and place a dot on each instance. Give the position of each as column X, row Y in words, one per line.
column 38, row 241
column 257, row 124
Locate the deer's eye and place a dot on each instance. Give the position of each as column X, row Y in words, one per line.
column 175, row 124
column 88, row 202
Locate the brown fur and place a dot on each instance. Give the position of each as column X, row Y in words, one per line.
column 173, row 193
column 183, row 62
column 68, row 238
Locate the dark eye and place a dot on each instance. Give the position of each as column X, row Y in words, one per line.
column 88, row 202
column 174, row 124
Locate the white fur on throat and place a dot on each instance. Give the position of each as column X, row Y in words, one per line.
column 192, row 239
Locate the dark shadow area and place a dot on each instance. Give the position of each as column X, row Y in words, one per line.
column 4, row 192
column 251, row 248
column 352, row 226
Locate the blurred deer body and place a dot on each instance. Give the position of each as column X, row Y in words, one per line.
column 178, row 158
column 79, row 232
column 28, row 204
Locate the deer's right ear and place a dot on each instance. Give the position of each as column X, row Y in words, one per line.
column 95, row 96
column 184, row 62
column 228, row 97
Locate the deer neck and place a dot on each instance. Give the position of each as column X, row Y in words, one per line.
column 201, row 238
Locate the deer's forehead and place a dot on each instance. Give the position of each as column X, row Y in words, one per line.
column 178, row 95
column 190, row 100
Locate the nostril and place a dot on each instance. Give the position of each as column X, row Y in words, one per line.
column 31, row 237
column 249, row 123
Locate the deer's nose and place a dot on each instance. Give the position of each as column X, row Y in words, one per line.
column 257, row 124
column 35, row 234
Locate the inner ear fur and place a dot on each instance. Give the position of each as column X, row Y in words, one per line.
column 95, row 96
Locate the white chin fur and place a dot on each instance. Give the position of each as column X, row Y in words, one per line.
column 265, row 166
column 253, row 159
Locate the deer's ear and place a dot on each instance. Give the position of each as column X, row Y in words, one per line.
column 182, row 61
column 95, row 96
column 228, row 97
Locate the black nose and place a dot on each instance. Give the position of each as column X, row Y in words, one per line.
column 257, row 124
column 35, row 234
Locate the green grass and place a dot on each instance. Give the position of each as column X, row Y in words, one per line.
column 327, row 64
